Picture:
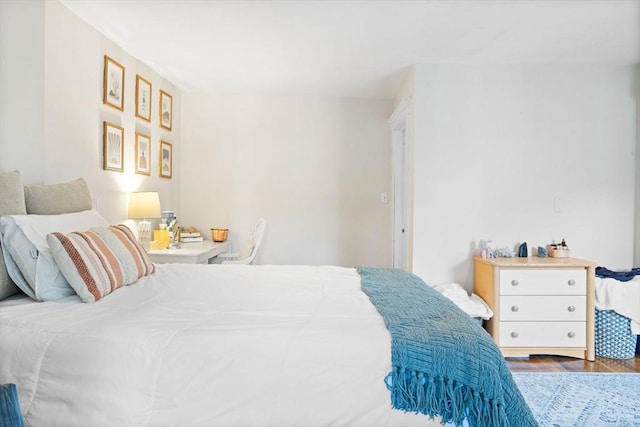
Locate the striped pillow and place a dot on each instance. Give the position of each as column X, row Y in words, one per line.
column 99, row 261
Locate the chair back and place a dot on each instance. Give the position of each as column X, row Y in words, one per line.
column 252, row 244
column 256, row 238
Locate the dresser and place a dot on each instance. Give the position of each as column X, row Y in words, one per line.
column 540, row 305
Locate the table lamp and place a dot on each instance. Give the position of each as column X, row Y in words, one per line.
column 144, row 205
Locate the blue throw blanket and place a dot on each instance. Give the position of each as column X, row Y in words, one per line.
column 10, row 415
column 622, row 276
column 443, row 363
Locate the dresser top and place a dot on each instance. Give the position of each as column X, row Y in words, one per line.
column 536, row 262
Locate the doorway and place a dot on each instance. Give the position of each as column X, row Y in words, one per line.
column 399, row 123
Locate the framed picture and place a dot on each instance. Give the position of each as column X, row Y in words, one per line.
column 166, row 109
column 113, row 84
column 166, row 159
column 143, row 98
column 112, row 147
column 143, row 148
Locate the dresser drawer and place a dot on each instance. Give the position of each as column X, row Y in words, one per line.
column 543, row 334
column 545, row 308
column 543, row 282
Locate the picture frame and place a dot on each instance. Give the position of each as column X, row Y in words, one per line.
column 143, row 98
column 112, row 147
column 166, row 110
column 143, row 148
column 113, row 84
column 166, row 159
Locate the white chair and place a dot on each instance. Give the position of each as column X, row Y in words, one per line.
column 249, row 249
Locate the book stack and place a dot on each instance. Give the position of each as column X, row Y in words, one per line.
column 190, row 236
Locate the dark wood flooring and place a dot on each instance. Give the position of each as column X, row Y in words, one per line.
column 569, row 364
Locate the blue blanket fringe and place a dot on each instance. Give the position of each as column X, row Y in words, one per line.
column 444, row 364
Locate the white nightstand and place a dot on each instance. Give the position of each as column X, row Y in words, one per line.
column 540, row 305
column 190, row 253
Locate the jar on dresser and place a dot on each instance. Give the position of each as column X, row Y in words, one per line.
column 540, row 305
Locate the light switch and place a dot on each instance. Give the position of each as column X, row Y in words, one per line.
column 384, row 197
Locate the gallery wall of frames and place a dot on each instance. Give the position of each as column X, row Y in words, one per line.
column 150, row 157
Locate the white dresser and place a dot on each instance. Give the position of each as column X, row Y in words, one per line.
column 540, row 305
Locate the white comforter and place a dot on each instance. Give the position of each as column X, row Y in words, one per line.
column 205, row 345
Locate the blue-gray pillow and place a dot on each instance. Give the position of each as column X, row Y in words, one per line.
column 27, row 254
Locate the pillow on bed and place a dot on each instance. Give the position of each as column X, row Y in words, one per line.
column 11, row 194
column 11, row 203
column 29, row 261
column 99, row 261
column 52, row 199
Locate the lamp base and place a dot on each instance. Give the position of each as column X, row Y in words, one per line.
column 144, row 234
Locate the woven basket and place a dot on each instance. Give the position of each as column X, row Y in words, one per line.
column 613, row 335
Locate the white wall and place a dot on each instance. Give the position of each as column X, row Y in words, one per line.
column 636, row 258
column 490, row 146
column 314, row 168
column 522, row 153
column 52, row 113
column 22, row 88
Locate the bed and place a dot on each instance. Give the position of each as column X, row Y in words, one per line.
column 223, row 345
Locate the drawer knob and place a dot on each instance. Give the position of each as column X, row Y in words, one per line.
column 571, row 308
column 514, row 335
column 514, row 282
column 572, row 282
column 571, row 334
column 514, row 308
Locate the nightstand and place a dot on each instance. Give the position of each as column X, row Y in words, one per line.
column 540, row 305
column 190, row 253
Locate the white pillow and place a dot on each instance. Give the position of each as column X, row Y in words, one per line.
column 26, row 252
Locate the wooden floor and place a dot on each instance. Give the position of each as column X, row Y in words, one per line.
column 569, row 364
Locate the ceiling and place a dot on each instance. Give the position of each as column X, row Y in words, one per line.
column 356, row 48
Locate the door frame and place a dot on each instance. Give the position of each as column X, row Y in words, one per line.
column 399, row 124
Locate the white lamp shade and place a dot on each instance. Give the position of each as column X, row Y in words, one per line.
column 144, row 205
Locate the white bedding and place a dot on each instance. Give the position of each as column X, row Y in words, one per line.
column 205, row 345
column 622, row 297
